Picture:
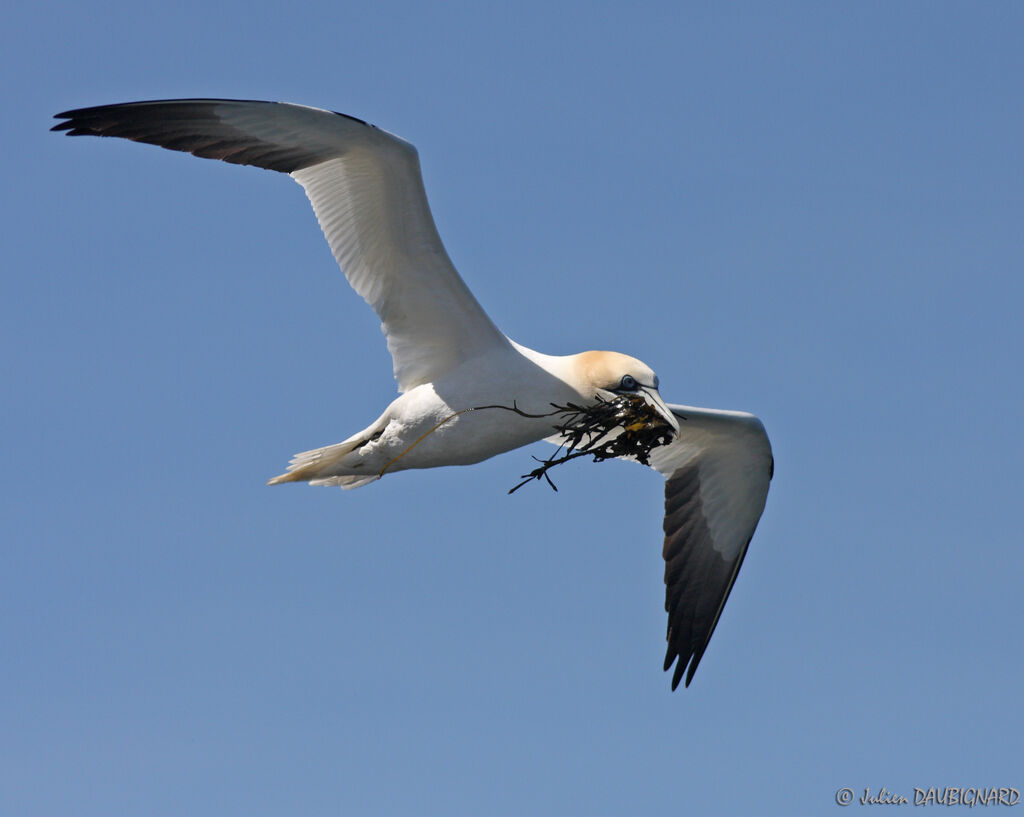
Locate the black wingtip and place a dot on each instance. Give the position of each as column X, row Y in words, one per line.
column 673, row 657
column 68, row 124
column 74, row 123
column 687, row 667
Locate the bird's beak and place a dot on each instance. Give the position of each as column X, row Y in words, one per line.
column 653, row 399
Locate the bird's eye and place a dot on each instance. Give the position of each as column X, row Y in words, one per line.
column 628, row 383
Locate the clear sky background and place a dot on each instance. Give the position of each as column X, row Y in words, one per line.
column 814, row 213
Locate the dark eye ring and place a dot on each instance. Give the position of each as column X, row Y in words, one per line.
column 628, row 383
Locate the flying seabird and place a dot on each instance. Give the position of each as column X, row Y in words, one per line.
column 453, row 366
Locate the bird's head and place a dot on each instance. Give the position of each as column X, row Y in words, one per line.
column 608, row 375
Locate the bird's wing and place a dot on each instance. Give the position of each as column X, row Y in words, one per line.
column 367, row 192
column 717, row 472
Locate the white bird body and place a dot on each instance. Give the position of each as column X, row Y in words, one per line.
column 467, row 392
column 465, row 416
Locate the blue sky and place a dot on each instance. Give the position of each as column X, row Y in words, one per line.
column 812, row 213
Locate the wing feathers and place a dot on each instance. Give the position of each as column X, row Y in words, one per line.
column 717, row 474
column 367, row 191
column 194, row 126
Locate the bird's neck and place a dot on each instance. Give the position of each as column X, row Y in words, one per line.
column 570, row 369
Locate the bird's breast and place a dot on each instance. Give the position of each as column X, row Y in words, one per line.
column 427, row 431
column 487, row 407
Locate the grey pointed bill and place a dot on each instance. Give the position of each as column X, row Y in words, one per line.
column 653, row 399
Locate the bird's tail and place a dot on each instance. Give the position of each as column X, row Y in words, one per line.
column 320, row 466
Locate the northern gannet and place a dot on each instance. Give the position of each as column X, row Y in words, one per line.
column 367, row 192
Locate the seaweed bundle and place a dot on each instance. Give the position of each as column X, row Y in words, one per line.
column 627, row 426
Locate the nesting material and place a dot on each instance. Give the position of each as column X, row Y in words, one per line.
column 627, row 426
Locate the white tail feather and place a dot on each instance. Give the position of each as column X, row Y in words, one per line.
column 346, row 483
column 315, row 466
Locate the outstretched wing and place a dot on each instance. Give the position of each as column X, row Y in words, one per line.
column 717, row 472
column 367, row 192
